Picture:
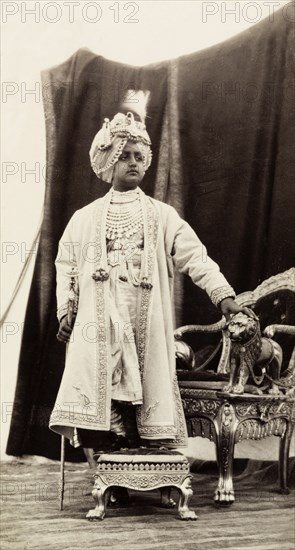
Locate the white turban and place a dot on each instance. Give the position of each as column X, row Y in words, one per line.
column 111, row 139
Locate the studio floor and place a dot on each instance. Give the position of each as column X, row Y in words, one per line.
column 261, row 518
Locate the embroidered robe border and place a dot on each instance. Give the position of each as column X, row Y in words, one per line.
column 103, row 380
column 151, row 229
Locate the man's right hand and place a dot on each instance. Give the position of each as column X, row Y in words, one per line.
column 64, row 331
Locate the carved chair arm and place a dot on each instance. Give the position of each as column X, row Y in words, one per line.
column 224, row 343
column 271, row 330
column 215, row 327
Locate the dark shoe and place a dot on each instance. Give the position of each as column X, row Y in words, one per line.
column 119, row 497
column 119, row 442
column 113, row 444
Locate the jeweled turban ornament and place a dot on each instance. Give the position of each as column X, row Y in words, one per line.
column 111, row 139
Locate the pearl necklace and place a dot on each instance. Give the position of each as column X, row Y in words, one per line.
column 123, row 197
column 124, row 216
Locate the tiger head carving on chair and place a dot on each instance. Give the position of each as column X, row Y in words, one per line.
column 252, row 355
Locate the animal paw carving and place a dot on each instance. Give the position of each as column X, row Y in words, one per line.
column 95, row 515
column 238, row 389
column 188, row 515
column 274, row 391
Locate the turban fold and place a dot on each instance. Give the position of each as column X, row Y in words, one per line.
column 111, row 139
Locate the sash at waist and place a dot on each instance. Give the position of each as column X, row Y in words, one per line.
column 118, row 257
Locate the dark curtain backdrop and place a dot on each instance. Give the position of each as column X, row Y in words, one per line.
column 222, row 126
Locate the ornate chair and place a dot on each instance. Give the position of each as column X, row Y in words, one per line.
column 226, row 417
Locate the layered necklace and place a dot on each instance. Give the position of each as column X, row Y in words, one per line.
column 124, row 216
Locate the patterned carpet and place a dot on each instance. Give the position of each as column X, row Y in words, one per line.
column 260, row 519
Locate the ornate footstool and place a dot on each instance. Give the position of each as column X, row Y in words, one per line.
column 143, row 470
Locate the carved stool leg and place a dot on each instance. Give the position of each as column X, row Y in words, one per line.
column 185, row 493
column 166, row 500
column 283, row 458
column 225, row 425
column 99, row 493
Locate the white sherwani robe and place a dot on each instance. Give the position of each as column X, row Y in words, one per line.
column 84, row 397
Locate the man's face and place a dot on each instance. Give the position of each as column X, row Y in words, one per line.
column 129, row 170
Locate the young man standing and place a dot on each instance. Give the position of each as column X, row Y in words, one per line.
column 119, row 386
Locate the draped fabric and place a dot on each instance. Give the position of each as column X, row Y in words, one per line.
column 221, row 122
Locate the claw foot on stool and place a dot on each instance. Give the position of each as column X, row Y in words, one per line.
column 96, row 514
column 186, row 492
column 99, row 496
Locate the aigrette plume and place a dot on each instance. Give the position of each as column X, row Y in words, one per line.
column 136, row 101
